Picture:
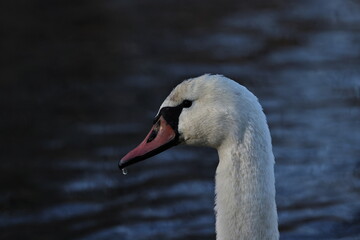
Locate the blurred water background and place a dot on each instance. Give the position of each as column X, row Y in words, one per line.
column 81, row 81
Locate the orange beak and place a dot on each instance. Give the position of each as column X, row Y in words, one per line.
column 161, row 137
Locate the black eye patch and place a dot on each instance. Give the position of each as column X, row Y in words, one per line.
column 171, row 114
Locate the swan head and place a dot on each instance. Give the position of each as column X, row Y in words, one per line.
column 202, row 111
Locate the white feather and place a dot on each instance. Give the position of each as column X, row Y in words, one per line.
column 226, row 116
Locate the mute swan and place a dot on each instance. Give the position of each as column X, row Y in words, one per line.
column 214, row 111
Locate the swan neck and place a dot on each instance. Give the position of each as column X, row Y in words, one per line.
column 245, row 187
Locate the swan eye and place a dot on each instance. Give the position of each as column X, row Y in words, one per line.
column 186, row 103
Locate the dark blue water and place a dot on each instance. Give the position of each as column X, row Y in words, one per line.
column 81, row 82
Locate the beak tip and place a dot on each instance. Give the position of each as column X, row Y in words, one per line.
column 121, row 164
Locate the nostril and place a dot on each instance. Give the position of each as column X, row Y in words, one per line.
column 152, row 136
column 154, row 132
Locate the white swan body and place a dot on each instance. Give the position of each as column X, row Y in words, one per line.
column 226, row 116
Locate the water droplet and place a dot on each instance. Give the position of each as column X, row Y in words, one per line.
column 124, row 171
